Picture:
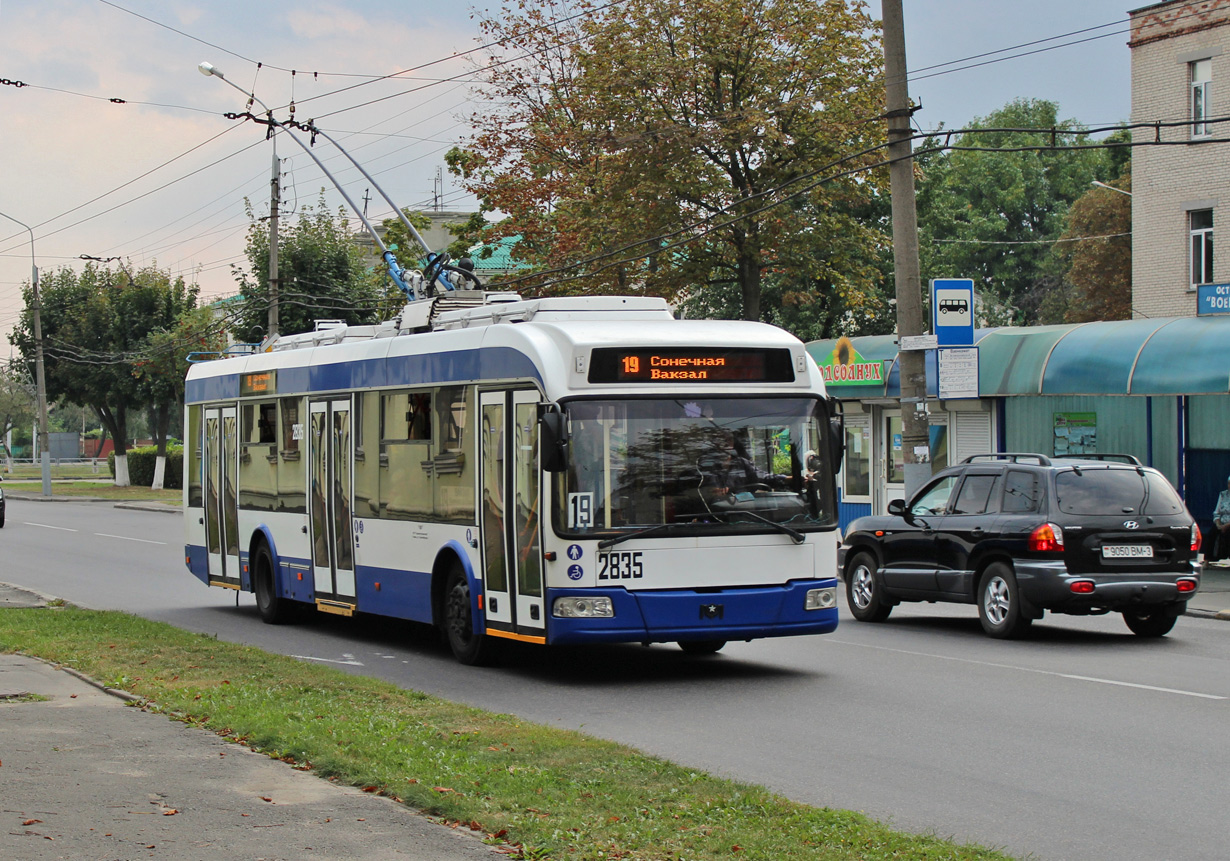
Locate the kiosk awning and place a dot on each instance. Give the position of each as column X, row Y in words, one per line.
column 1159, row 356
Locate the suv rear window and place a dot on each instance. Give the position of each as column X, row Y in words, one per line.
column 1100, row 491
column 1162, row 496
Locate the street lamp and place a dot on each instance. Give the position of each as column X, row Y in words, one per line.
column 209, row 70
column 1111, row 187
column 40, row 378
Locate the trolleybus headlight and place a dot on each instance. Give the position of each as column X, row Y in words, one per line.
column 577, row 607
column 820, row 599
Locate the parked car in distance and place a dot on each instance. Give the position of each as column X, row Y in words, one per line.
column 1022, row 534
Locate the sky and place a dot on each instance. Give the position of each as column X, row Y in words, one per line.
column 161, row 178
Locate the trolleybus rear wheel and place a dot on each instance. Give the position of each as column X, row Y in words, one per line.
column 274, row 609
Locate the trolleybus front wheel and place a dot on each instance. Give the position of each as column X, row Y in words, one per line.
column 468, row 647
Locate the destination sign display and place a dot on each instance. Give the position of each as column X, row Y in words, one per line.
column 260, row 383
column 686, row 365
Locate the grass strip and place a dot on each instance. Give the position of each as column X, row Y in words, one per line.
column 98, row 490
column 547, row 793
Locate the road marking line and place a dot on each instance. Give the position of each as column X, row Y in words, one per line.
column 328, row 661
column 1031, row 670
column 126, row 538
column 48, row 526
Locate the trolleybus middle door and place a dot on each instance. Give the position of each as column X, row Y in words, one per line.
column 330, row 453
column 512, row 559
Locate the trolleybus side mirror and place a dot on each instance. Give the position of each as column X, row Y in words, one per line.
column 553, row 431
column 837, row 436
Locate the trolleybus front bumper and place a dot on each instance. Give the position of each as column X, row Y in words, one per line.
column 676, row 615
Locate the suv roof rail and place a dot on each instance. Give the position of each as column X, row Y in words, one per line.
column 1130, row 459
column 1013, row 456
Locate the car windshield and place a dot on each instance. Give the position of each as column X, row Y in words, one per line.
column 694, row 464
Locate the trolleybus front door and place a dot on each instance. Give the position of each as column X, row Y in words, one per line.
column 330, row 452
column 221, row 501
column 512, row 557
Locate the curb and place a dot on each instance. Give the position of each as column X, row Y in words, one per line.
column 1223, row 615
column 115, row 692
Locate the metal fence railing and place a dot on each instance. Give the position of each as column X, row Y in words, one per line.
column 27, row 469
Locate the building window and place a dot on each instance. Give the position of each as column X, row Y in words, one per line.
column 1202, row 246
column 1201, row 76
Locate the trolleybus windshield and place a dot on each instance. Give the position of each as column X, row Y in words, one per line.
column 699, row 465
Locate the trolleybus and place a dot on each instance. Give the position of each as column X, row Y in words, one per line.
column 560, row 470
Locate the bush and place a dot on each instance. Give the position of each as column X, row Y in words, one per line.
column 141, row 467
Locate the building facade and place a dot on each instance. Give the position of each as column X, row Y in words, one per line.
column 1181, row 191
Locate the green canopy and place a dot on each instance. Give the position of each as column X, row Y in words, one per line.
column 1158, row 356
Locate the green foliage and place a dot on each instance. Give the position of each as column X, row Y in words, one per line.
column 994, row 216
column 1097, row 254
column 323, row 273
column 18, row 400
column 141, row 463
column 104, row 339
column 686, row 122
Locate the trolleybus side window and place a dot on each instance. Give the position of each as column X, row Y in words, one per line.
column 292, row 470
column 405, row 459
column 258, row 460
column 196, row 495
column 452, row 470
column 366, row 457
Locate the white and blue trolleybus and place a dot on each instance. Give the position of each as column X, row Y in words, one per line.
column 560, row 470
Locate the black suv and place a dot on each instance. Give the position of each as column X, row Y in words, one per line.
column 1019, row 534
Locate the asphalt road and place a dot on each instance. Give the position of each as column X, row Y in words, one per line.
column 1082, row 742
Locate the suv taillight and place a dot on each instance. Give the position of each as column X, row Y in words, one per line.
column 1048, row 536
column 1195, row 538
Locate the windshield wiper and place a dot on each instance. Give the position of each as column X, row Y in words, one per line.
column 648, row 530
column 796, row 536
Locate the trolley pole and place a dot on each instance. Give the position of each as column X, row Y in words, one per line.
column 915, row 433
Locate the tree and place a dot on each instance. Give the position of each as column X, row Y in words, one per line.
column 323, row 273
column 1097, row 250
column 682, row 144
column 994, row 216
column 178, row 328
column 18, row 403
column 97, row 327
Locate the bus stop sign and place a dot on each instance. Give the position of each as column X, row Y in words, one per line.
column 952, row 311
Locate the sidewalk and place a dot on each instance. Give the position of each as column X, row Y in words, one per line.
column 85, row 776
column 1213, row 599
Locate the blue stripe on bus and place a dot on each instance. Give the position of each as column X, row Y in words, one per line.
column 485, row 363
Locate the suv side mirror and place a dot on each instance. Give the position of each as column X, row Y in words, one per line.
column 897, row 508
column 553, row 435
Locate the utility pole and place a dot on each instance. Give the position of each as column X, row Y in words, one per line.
column 209, row 70
column 275, row 202
column 915, row 434
column 40, row 377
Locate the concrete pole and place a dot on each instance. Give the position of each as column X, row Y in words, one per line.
column 914, row 427
column 40, row 377
column 275, row 202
